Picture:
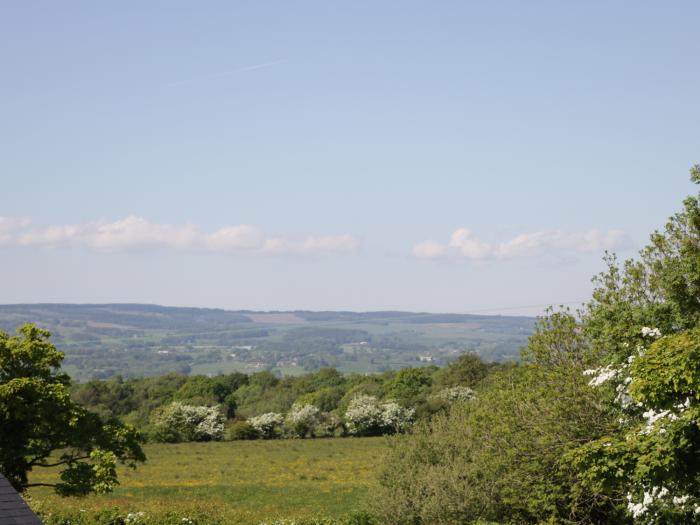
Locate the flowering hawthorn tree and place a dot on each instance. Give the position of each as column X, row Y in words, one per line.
column 267, row 425
column 181, row 422
column 652, row 460
column 302, row 420
column 366, row 416
column 456, row 394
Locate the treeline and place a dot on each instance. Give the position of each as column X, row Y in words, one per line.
column 172, row 407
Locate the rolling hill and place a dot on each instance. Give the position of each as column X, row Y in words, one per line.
column 102, row 340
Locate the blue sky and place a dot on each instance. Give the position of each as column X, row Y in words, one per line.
column 436, row 156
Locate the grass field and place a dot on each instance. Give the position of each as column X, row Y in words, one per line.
column 240, row 482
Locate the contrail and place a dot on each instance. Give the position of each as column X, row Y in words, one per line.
column 226, row 73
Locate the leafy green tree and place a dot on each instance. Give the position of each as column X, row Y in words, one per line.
column 219, row 390
column 325, row 398
column 40, row 426
column 659, row 289
column 409, row 384
column 466, row 370
column 648, row 463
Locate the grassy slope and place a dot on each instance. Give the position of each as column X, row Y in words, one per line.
column 242, row 482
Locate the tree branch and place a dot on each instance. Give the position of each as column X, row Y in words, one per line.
column 63, row 462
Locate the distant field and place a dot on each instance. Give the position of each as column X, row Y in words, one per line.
column 243, row 482
column 101, row 341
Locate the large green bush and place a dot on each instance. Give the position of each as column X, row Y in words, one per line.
column 498, row 457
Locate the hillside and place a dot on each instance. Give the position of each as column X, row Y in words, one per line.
column 103, row 340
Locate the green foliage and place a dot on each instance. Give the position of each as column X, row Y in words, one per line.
column 661, row 289
column 648, row 463
column 241, row 430
column 409, row 385
column 219, row 390
column 499, row 456
column 325, row 398
column 115, row 516
column 38, row 419
column 598, row 423
column 143, row 402
column 668, row 373
column 651, row 458
column 467, row 370
column 104, row 341
column 178, row 422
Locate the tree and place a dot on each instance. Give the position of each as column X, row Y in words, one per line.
column 645, row 321
column 466, row 370
column 179, row 422
column 410, row 384
column 40, row 426
column 650, row 462
column 302, row 420
column 660, row 289
column 367, row 416
column 267, row 425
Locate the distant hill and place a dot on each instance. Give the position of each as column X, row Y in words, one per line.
column 101, row 340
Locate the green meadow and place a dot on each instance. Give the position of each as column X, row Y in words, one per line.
column 239, row 482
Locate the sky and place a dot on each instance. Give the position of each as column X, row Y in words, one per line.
column 451, row 156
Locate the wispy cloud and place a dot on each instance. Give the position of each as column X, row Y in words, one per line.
column 133, row 233
column 9, row 226
column 225, row 73
column 465, row 245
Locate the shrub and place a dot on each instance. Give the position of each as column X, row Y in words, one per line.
column 366, row 416
column 455, row 394
column 115, row 516
column 179, row 422
column 500, row 456
column 267, row 425
column 241, row 430
column 302, row 420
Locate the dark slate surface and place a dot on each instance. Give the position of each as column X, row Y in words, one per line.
column 13, row 509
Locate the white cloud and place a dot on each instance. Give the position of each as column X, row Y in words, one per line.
column 464, row 244
column 9, row 226
column 312, row 245
column 131, row 232
column 232, row 238
column 429, row 249
column 135, row 232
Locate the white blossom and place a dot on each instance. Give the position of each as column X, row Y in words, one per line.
column 654, row 333
column 652, row 416
column 133, row 518
column 303, row 418
column 366, row 415
column 601, row 375
column 198, row 423
column 456, row 393
column 267, row 424
column 640, row 508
